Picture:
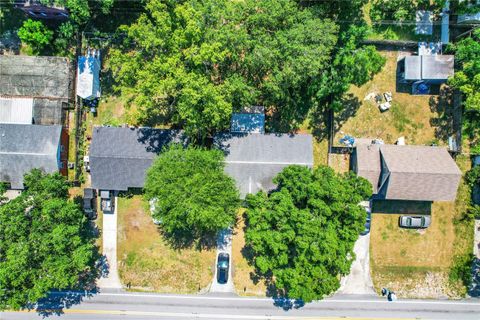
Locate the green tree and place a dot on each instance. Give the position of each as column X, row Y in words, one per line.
column 35, row 34
column 301, row 236
column 191, row 63
column 194, row 198
column 45, row 242
column 467, row 80
column 81, row 10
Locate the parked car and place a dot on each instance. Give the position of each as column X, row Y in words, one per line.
column 107, row 201
column 223, row 261
column 414, row 222
column 366, row 206
column 90, row 203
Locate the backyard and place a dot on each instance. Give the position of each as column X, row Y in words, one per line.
column 417, row 263
column 414, row 117
column 147, row 263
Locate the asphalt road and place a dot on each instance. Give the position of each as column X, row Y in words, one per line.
column 154, row 306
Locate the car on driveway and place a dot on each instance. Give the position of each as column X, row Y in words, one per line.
column 414, row 222
column 107, row 201
column 89, row 203
column 366, row 206
column 223, row 262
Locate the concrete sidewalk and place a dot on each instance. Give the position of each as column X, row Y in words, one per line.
column 359, row 280
column 111, row 279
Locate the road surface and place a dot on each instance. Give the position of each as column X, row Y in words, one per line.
column 155, row 306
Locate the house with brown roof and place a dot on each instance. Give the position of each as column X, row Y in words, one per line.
column 399, row 172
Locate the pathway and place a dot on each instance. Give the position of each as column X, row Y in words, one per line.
column 224, row 244
column 359, row 280
column 109, row 232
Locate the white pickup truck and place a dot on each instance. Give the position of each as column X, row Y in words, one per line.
column 107, row 201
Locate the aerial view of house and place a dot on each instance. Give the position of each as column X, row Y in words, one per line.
column 254, row 159
column 399, row 172
column 24, row 147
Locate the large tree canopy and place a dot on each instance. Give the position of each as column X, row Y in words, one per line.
column 45, row 242
column 301, row 236
column 467, row 80
column 194, row 198
column 194, row 61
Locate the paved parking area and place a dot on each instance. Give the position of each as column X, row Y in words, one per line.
column 111, row 279
column 359, row 280
column 224, row 244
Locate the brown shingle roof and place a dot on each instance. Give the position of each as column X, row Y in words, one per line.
column 368, row 163
column 415, row 172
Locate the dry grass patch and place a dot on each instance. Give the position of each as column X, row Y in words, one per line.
column 339, row 162
column 242, row 271
column 148, row 263
column 410, row 116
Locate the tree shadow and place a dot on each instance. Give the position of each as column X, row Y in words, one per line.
column 187, row 239
column 279, row 296
column 56, row 301
column 444, row 123
column 474, row 288
column 319, row 117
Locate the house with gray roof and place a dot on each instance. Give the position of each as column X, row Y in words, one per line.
column 401, row 172
column 120, row 157
column 254, row 159
column 38, row 87
column 24, row 147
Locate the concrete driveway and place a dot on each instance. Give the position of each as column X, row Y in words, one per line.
column 224, row 244
column 359, row 280
column 110, row 279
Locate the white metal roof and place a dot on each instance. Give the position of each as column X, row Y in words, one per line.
column 88, row 80
column 16, row 110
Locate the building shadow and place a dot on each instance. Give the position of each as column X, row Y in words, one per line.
column 401, row 207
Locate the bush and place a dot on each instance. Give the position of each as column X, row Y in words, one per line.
column 35, row 34
column 461, row 270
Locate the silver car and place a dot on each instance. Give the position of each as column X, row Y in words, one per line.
column 414, row 222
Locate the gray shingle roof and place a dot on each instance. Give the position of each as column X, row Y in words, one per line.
column 415, row 172
column 120, row 157
column 254, row 159
column 24, row 147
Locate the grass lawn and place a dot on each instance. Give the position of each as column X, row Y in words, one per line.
column 147, row 263
column 410, row 116
column 416, row 263
column 241, row 272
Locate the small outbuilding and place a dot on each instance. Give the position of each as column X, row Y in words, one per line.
column 88, row 75
column 428, row 68
column 249, row 119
